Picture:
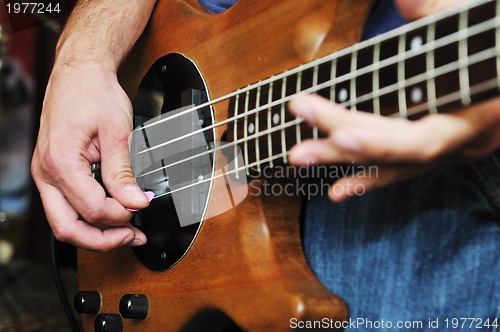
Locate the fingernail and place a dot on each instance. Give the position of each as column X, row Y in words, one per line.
column 127, row 240
column 137, row 242
column 149, row 195
column 134, row 192
column 346, row 141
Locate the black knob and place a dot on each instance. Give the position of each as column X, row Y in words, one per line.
column 134, row 306
column 87, row 302
column 108, row 323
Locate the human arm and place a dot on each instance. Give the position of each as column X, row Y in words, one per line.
column 87, row 118
column 399, row 148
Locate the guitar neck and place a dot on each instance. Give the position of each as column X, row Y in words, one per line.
column 438, row 64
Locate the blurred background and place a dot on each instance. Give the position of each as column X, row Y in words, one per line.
column 28, row 297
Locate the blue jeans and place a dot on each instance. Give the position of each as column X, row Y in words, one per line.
column 417, row 251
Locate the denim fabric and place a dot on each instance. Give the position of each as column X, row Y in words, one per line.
column 423, row 249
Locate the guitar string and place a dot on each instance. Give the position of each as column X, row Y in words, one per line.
column 431, row 46
column 456, row 96
column 451, row 67
column 415, row 110
column 443, row 100
column 482, row 56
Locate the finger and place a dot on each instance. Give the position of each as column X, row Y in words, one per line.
column 68, row 228
column 332, row 118
column 415, row 9
column 88, row 197
column 312, row 152
column 344, row 144
column 485, row 116
column 431, row 139
column 328, row 116
column 321, row 112
column 117, row 171
column 365, row 138
column 360, row 183
column 70, row 173
column 400, row 144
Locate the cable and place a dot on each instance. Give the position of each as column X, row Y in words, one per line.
column 60, row 286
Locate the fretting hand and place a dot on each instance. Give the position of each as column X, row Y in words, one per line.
column 399, row 148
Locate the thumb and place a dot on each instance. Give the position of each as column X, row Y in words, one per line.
column 117, row 174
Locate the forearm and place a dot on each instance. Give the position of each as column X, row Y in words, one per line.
column 102, row 32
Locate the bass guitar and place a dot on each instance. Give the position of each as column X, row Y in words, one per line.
column 210, row 94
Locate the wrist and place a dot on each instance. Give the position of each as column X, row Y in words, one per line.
column 78, row 56
column 83, row 67
column 102, row 32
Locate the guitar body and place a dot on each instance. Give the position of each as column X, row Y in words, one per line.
column 246, row 263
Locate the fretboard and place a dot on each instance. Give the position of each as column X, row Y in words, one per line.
column 438, row 64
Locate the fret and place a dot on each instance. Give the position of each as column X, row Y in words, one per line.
column 463, row 59
column 298, row 89
column 283, row 110
column 401, row 76
column 430, row 70
column 455, row 96
column 333, row 73
column 315, row 83
column 416, row 93
column 315, row 75
column 236, row 106
column 270, row 124
column 257, row 130
column 354, row 61
column 245, row 132
column 376, row 79
column 497, row 42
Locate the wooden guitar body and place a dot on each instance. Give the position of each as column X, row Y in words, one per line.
column 247, row 263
